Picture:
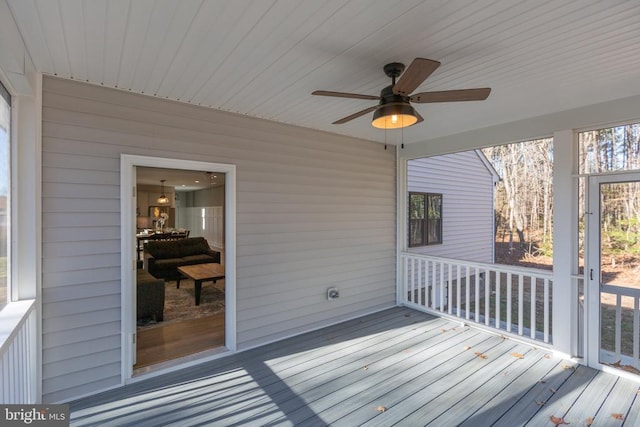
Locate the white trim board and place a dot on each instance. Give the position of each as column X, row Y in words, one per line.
column 127, row 230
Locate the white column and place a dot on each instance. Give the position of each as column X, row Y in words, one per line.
column 565, row 295
column 26, row 193
column 401, row 220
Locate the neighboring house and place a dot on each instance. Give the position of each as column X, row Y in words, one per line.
column 451, row 206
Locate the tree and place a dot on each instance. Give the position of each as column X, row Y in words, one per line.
column 524, row 196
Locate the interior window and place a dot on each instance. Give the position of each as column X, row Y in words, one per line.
column 425, row 219
column 5, row 174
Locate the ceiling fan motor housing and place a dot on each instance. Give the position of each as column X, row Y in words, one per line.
column 387, row 96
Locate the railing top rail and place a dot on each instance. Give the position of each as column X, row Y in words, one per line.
column 620, row 290
column 496, row 267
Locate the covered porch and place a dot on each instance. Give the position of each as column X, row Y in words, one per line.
column 398, row 366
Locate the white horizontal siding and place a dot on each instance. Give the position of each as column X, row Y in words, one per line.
column 466, row 186
column 313, row 211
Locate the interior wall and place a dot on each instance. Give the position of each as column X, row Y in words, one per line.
column 314, row 210
column 202, row 198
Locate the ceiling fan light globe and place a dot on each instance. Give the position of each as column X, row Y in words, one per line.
column 394, row 116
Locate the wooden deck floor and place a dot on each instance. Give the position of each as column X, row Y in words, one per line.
column 395, row 367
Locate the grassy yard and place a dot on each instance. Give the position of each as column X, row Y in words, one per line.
column 502, row 304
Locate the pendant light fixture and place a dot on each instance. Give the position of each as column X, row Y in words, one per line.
column 163, row 199
column 394, row 116
column 395, row 111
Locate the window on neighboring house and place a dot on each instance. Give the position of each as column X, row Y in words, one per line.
column 5, row 174
column 425, row 219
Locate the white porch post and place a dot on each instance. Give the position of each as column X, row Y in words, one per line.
column 401, row 219
column 565, row 298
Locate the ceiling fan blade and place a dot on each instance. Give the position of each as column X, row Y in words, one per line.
column 344, row 95
column 479, row 94
column 420, row 118
column 355, row 115
column 414, row 75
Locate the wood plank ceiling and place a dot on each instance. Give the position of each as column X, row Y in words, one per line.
column 264, row 58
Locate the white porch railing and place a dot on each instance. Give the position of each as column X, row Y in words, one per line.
column 620, row 320
column 513, row 300
column 18, row 353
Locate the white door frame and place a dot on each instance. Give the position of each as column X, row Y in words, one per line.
column 128, row 254
column 592, row 259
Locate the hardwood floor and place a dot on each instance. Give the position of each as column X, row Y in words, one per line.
column 179, row 339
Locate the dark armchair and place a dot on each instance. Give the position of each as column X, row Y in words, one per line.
column 149, row 296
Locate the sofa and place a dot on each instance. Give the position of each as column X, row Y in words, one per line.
column 149, row 296
column 163, row 257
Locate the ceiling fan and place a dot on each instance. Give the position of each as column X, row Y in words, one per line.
column 394, row 109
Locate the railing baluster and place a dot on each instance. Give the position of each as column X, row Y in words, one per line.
column 428, row 283
column 533, row 288
column 409, row 284
column 433, row 286
column 498, row 278
column 476, row 281
column 509, row 301
column 487, row 295
column 546, row 310
column 450, row 288
column 441, row 302
column 520, row 304
column 422, row 264
column 618, row 325
column 458, row 291
column 636, row 330
column 467, row 288
column 405, row 279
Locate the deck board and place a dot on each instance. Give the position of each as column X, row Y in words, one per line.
column 422, row 369
column 464, row 405
column 623, row 399
column 565, row 396
column 592, row 398
column 514, row 394
column 537, row 396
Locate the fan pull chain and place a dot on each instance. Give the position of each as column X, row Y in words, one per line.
column 385, row 139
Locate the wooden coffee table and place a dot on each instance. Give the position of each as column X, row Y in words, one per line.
column 202, row 273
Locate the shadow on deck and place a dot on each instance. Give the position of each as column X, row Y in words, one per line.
column 398, row 366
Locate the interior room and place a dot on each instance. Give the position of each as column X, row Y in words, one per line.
column 186, row 204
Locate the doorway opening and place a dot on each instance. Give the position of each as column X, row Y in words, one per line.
column 178, row 300
column 175, row 210
column 612, row 272
column 609, row 232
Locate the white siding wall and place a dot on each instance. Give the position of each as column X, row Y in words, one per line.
column 466, row 186
column 313, row 210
